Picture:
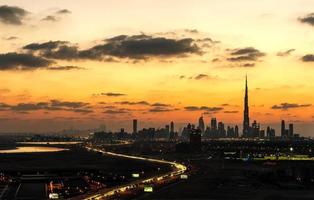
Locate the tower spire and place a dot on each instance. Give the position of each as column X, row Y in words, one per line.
column 246, row 119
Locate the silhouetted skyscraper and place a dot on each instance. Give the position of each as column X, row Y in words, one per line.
column 134, row 126
column 246, row 118
column 283, row 128
column 201, row 124
column 171, row 127
column 213, row 124
column 236, row 131
column 290, row 132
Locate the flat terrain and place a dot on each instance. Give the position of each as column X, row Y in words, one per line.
column 234, row 180
column 76, row 158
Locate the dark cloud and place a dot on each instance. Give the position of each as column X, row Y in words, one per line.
column 63, row 11
column 69, row 104
column 65, row 68
column 308, row 19
column 112, row 94
column 12, row 15
column 286, row 106
column 203, row 108
column 160, row 109
column 144, row 46
column 201, row 76
column 116, row 111
column 231, row 111
column 81, row 110
column 191, row 30
column 216, row 60
column 52, row 105
column 122, row 46
column 45, row 46
column 11, row 38
column 248, row 65
column 308, row 58
column 22, row 61
column 204, row 77
column 245, row 54
column 160, row 105
column 285, row 53
column 133, row 103
column 50, row 18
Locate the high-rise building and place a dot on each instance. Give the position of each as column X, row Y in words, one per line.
column 283, row 128
column 201, row 124
column 221, row 130
column 134, row 126
column 290, row 131
column 171, row 127
column 213, row 124
column 236, row 131
column 246, row 118
column 270, row 133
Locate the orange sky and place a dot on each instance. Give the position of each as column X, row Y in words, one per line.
column 176, row 60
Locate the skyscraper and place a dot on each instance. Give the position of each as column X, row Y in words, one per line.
column 134, row 126
column 290, row 132
column 171, row 127
column 201, row 124
column 246, row 119
column 283, row 128
column 213, row 124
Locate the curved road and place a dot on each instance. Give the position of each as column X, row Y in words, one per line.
column 178, row 169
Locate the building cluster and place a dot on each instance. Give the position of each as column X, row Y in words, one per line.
column 287, row 133
column 214, row 130
column 165, row 133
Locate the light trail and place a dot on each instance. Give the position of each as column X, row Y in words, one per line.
column 178, row 169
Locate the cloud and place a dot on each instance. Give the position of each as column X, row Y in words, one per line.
column 65, row 68
column 70, row 104
column 52, row 105
column 203, row 108
column 50, row 18
column 308, row 58
column 231, row 111
column 161, row 109
column 308, row 19
column 22, row 61
column 112, row 94
column 204, row 77
column 63, row 11
column 191, row 30
column 248, row 65
column 133, row 103
column 286, row 106
column 45, row 46
column 80, row 110
column 116, row 111
column 245, row 54
column 285, row 53
column 201, row 76
column 216, row 60
column 131, row 47
column 11, row 38
column 160, row 105
column 12, row 15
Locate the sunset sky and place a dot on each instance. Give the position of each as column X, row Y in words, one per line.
column 80, row 64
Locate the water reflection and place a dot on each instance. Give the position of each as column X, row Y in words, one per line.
column 33, row 149
column 49, row 143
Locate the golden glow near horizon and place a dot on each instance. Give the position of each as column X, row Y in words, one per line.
column 181, row 79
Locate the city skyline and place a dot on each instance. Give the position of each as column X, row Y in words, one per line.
column 61, row 68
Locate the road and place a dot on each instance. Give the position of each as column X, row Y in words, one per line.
column 177, row 170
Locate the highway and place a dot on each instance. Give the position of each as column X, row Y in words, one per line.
column 105, row 193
